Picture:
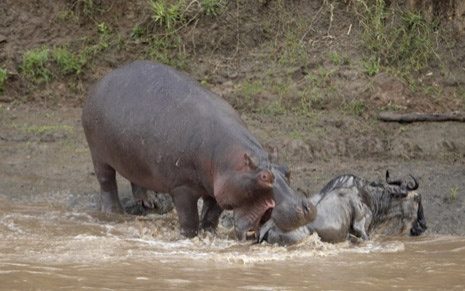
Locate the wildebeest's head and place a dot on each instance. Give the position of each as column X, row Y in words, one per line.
column 410, row 206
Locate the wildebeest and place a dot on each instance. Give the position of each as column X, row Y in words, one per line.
column 350, row 205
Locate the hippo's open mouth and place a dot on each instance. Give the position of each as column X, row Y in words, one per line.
column 249, row 220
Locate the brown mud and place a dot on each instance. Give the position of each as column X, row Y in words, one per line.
column 43, row 152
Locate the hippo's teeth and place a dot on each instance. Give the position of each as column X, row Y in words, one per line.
column 251, row 234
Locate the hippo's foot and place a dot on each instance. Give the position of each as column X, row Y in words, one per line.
column 111, row 203
column 147, row 203
column 141, row 196
column 189, row 232
column 161, row 204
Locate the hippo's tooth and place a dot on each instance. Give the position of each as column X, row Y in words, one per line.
column 251, row 234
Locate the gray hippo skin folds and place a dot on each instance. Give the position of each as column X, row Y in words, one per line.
column 165, row 132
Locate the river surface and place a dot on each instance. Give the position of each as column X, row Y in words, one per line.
column 47, row 246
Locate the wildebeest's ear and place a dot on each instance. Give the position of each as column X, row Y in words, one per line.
column 274, row 155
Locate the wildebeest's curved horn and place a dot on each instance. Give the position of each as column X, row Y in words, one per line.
column 411, row 187
column 395, row 182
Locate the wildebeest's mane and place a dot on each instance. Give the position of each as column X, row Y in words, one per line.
column 343, row 181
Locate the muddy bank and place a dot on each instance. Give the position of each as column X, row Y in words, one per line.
column 44, row 158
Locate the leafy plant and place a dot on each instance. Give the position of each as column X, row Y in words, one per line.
column 275, row 108
column 105, row 36
column 372, row 66
column 453, row 193
column 33, row 65
column 211, row 7
column 337, row 59
column 355, row 107
column 405, row 42
column 138, row 32
column 68, row 62
column 3, row 77
column 167, row 15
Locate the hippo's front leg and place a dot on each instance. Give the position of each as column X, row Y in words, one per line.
column 185, row 201
column 210, row 215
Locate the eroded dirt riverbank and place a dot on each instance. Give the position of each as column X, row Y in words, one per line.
column 44, row 158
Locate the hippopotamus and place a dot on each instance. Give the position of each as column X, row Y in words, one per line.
column 352, row 206
column 164, row 131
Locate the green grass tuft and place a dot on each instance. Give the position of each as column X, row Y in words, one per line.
column 33, row 65
column 68, row 62
column 3, row 77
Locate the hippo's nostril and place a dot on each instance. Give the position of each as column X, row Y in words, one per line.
column 305, row 207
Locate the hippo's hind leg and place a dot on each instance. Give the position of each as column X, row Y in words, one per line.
column 141, row 196
column 210, row 215
column 106, row 177
column 185, row 201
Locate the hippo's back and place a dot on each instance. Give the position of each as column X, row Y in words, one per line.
column 145, row 114
column 146, row 88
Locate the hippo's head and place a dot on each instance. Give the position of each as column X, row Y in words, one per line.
column 258, row 192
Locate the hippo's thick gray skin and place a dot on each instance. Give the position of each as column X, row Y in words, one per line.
column 163, row 131
column 350, row 205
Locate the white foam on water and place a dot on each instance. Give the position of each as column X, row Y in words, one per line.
column 60, row 235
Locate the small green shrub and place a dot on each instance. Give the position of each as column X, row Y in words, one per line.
column 453, row 193
column 33, row 65
column 354, row 107
column 167, row 15
column 403, row 40
column 372, row 66
column 211, row 7
column 337, row 59
column 3, row 77
column 275, row 108
column 105, row 36
column 138, row 32
column 68, row 62
column 166, row 49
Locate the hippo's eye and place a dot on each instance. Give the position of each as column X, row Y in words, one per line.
column 266, row 177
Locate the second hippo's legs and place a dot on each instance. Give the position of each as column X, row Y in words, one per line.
column 141, row 196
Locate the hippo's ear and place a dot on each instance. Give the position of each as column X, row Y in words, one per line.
column 249, row 162
column 285, row 170
column 274, row 156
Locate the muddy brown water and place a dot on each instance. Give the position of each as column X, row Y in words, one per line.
column 48, row 246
